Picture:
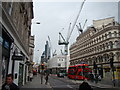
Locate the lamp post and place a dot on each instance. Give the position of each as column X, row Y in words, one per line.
column 95, row 67
column 112, row 68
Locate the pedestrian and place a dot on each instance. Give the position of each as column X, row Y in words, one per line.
column 91, row 76
column 96, row 78
column 46, row 78
column 9, row 84
column 31, row 76
column 99, row 78
column 114, row 81
column 85, row 86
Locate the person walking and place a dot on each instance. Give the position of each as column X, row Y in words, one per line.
column 96, row 78
column 31, row 76
column 85, row 86
column 46, row 78
column 9, row 85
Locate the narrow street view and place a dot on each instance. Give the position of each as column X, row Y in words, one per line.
column 59, row 45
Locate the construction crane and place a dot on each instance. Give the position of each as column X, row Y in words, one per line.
column 80, row 29
column 54, row 53
column 66, row 41
column 70, row 30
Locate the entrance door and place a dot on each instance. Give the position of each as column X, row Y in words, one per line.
column 4, row 68
column 21, row 70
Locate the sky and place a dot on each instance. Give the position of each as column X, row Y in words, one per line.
column 54, row 16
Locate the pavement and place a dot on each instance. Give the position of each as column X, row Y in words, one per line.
column 36, row 83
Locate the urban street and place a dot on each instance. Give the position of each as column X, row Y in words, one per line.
column 60, row 44
column 62, row 83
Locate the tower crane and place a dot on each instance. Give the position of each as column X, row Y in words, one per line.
column 70, row 30
column 66, row 41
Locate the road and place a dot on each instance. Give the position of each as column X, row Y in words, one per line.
column 58, row 83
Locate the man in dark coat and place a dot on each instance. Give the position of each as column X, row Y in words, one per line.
column 9, row 85
column 85, row 86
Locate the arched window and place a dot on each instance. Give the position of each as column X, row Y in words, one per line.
column 111, row 44
column 103, row 46
column 115, row 34
column 105, row 36
column 100, row 47
column 99, row 38
column 97, row 48
column 102, row 37
column 119, row 33
column 110, row 34
column 107, row 46
column 117, row 44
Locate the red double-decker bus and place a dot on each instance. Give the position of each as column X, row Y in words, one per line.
column 80, row 72
column 72, row 72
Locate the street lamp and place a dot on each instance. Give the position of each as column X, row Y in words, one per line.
column 95, row 67
column 35, row 22
column 112, row 68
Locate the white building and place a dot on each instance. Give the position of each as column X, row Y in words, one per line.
column 57, row 63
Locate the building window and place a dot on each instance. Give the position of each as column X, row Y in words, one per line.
column 99, row 38
column 102, row 37
column 110, row 34
column 103, row 46
column 119, row 34
column 115, row 34
column 111, row 44
column 59, row 64
column 100, row 47
column 105, row 36
column 117, row 44
column 107, row 46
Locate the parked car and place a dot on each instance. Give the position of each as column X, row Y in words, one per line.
column 60, row 74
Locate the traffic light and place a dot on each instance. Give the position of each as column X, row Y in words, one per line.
column 42, row 66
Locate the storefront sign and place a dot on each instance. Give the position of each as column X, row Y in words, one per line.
column 17, row 57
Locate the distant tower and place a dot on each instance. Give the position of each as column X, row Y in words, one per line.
column 47, row 51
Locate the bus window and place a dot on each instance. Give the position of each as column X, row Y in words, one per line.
column 80, row 73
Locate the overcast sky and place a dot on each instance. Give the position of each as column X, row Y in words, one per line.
column 54, row 16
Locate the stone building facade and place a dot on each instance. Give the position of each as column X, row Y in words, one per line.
column 97, row 45
column 15, row 28
column 31, row 50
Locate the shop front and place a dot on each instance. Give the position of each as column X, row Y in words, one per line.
column 5, row 41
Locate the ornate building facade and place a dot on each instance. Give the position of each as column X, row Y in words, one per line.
column 98, row 45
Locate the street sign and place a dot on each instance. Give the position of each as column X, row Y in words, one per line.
column 17, row 57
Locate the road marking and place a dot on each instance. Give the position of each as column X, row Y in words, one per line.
column 69, row 86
